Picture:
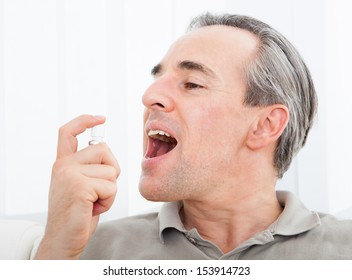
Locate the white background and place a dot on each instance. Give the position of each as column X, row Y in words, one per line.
column 60, row 59
column 94, row 269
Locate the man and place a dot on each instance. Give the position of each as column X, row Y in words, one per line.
column 232, row 102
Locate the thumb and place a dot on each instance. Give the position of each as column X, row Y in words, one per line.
column 67, row 143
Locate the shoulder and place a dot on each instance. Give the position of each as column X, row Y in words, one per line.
column 333, row 227
column 331, row 238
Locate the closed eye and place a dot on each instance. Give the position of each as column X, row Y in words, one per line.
column 192, row 86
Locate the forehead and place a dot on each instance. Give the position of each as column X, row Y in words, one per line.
column 223, row 49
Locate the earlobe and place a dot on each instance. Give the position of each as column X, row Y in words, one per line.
column 269, row 127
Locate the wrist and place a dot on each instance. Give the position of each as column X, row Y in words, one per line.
column 50, row 249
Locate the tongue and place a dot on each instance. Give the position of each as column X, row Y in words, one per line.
column 159, row 148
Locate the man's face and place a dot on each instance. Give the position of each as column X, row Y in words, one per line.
column 195, row 124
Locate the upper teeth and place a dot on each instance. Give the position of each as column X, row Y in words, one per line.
column 156, row 132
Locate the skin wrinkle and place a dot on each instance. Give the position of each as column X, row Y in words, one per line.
column 188, row 66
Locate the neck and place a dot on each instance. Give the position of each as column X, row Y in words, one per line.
column 228, row 223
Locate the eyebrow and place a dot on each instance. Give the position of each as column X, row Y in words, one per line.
column 186, row 65
column 156, row 70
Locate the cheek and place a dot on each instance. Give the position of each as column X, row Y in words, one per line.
column 216, row 121
column 209, row 131
column 216, row 126
column 222, row 129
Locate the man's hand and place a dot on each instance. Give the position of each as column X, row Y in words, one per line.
column 83, row 185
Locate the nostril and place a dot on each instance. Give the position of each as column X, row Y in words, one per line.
column 159, row 105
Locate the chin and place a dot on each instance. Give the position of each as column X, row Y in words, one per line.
column 155, row 193
column 149, row 193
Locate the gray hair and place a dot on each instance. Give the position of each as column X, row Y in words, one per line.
column 276, row 75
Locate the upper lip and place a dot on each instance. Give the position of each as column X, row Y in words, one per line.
column 155, row 125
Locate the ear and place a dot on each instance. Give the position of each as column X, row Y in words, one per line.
column 269, row 126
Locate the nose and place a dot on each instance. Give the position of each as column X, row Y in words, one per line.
column 159, row 95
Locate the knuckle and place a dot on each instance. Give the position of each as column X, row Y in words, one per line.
column 114, row 173
column 63, row 130
column 58, row 166
column 114, row 190
column 63, row 172
column 111, row 189
column 66, row 174
column 110, row 174
column 117, row 171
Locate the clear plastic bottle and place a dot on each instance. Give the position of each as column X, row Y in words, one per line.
column 97, row 134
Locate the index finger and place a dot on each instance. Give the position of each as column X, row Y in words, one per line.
column 67, row 143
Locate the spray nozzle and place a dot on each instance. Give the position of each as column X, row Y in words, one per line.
column 97, row 134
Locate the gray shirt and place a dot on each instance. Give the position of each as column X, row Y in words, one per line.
column 298, row 233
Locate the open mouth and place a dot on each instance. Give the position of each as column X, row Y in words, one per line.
column 160, row 143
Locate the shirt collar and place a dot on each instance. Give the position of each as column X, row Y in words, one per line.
column 169, row 218
column 294, row 219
